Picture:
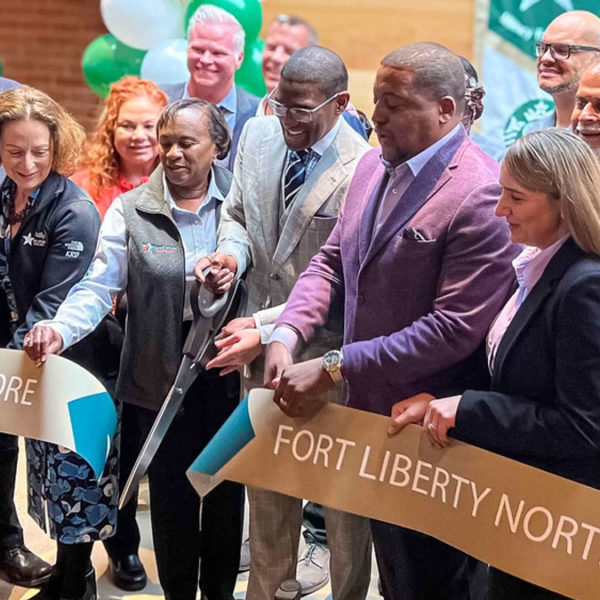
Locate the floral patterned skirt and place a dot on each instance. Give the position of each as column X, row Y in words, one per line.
column 61, row 485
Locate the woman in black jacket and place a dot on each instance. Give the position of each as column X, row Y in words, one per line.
column 543, row 407
column 49, row 229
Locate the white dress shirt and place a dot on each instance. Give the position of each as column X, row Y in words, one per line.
column 91, row 299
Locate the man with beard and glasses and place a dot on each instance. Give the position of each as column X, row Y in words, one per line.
column 569, row 44
column 585, row 120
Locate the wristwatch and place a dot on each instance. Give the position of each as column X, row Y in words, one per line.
column 332, row 364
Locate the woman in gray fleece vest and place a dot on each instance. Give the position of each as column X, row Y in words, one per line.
column 150, row 241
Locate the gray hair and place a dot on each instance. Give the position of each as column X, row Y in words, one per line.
column 294, row 21
column 209, row 14
column 316, row 64
column 437, row 71
column 557, row 163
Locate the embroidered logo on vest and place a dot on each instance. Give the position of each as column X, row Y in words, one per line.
column 159, row 249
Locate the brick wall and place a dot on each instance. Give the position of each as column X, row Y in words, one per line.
column 41, row 43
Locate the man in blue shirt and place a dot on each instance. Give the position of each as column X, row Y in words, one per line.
column 215, row 53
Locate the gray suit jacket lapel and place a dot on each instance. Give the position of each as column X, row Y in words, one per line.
column 273, row 152
column 317, row 189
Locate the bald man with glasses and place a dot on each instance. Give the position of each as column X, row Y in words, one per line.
column 569, row 45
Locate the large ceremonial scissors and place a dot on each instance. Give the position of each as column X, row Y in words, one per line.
column 211, row 313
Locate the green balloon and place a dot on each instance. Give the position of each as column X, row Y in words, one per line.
column 247, row 12
column 106, row 60
column 249, row 75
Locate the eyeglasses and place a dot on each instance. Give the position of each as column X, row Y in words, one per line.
column 561, row 51
column 300, row 115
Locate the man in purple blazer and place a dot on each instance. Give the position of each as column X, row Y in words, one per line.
column 422, row 266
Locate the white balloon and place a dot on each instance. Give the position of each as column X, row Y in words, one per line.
column 143, row 24
column 166, row 63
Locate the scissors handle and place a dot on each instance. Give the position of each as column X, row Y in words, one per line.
column 200, row 340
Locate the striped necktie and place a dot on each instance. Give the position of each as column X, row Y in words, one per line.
column 295, row 174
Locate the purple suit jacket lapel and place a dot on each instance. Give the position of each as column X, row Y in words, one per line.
column 375, row 187
column 429, row 180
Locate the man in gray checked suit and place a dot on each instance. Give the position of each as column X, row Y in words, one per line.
column 291, row 175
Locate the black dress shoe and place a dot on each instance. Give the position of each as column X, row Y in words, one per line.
column 128, row 573
column 51, row 589
column 22, row 567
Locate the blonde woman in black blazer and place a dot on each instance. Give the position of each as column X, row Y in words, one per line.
column 543, row 406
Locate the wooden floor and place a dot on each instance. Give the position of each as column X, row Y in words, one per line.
column 38, row 542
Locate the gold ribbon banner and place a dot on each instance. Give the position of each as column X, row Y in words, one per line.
column 60, row 403
column 535, row 525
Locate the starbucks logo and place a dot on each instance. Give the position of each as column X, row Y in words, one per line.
column 517, row 122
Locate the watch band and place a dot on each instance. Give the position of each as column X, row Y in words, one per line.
column 332, row 364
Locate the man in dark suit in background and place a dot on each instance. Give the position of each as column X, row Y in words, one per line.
column 215, row 53
column 18, row 565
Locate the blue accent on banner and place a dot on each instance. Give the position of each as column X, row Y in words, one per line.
column 94, row 423
column 228, row 441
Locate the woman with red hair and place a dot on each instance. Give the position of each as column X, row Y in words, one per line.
column 124, row 149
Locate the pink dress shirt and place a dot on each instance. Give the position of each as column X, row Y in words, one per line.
column 529, row 267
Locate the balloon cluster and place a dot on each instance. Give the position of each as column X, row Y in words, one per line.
column 147, row 38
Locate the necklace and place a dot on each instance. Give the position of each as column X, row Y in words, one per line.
column 13, row 217
column 16, row 217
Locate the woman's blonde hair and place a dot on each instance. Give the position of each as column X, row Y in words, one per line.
column 102, row 158
column 66, row 134
column 558, row 163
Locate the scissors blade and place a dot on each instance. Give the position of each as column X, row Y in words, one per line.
column 186, row 375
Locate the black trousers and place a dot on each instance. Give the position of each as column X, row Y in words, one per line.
column 181, row 542
column 414, row 566
column 11, row 534
column 502, row 586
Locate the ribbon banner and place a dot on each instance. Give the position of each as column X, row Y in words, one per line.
column 60, row 403
column 505, row 35
column 535, row 525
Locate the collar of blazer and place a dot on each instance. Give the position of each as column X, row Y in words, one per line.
column 430, row 179
column 568, row 253
column 320, row 185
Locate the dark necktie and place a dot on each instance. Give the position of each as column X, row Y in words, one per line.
column 295, row 174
